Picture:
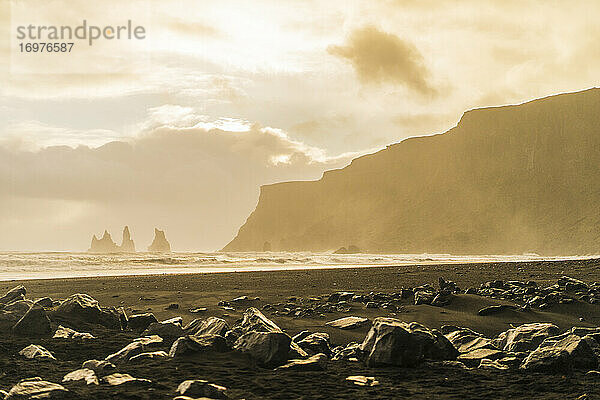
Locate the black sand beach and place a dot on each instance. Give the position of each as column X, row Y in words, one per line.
column 244, row 379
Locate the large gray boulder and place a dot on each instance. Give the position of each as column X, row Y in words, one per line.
column 36, row 388
column 466, row 340
column 164, row 329
column 18, row 308
column 35, row 322
column 526, row 337
column 268, row 349
column 140, row 322
column 211, row 325
column 316, row 343
column 563, row 353
column 255, row 321
column 394, row 342
column 80, row 308
column 14, row 294
column 138, row 346
column 192, row 344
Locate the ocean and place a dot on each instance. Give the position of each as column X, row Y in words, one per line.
column 50, row 265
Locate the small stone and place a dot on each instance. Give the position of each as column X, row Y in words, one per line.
column 202, row 388
column 318, row 362
column 361, row 380
column 68, row 333
column 348, row 323
column 36, row 352
column 122, row 379
column 84, row 374
column 154, row 355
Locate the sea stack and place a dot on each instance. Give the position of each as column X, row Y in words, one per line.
column 104, row 245
column 127, row 244
column 160, row 244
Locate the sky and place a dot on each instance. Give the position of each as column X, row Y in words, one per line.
column 179, row 130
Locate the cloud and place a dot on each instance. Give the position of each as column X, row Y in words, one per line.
column 380, row 57
column 197, row 178
column 194, row 29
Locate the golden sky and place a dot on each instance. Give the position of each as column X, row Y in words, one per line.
column 223, row 96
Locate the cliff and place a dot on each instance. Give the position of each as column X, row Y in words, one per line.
column 505, row 180
column 160, row 244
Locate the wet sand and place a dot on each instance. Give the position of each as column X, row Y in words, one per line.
column 153, row 293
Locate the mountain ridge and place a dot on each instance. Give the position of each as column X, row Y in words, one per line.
column 506, row 179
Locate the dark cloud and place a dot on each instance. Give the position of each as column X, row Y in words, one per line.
column 380, row 57
column 196, row 181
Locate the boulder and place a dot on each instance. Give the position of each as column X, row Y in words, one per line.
column 526, row 337
column 35, row 322
column 187, row 345
column 267, row 348
column 316, row 343
column 202, row 388
column 340, row 296
column 466, row 340
column 45, row 302
column 255, row 321
column 139, row 345
column 424, row 297
column 34, row 351
column 317, row 362
column 63, row 332
column 36, row 388
column 165, row 329
column 100, row 367
column 394, row 342
column 86, row 375
column 125, row 379
column 569, row 284
column 351, row 352
column 492, row 364
column 211, row 325
column 298, row 337
column 14, row 294
column 18, row 308
column 140, row 322
column 473, row 358
column 83, row 308
column 563, row 353
column 348, row 323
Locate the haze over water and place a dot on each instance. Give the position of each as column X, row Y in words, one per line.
column 48, row 265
